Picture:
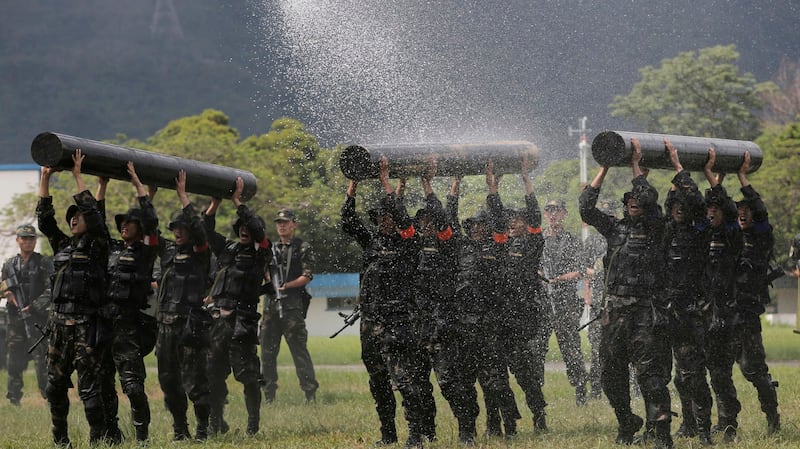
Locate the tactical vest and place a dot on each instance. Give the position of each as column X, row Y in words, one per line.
column 751, row 272
column 684, row 259
column 386, row 281
column 633, row 262
column 239, row 278
column 79, row 277
column 184, row 280
column 30, row 278
column 129, row 277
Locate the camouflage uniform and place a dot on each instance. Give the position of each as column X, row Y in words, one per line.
column 389, row 312
column 523, row 328
column 78, row 290
column 30, row 282
column 286, row 318
column 635, row 326
column 479, row 326
column 595, row 250
column 237, row 285
column 183, row 325
column 444, row 332
column 685, row 251
column 132, row 333
column 562, row 255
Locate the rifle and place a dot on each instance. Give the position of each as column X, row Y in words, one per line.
column 277, row 278
column 20, row 294
column 45, row 333
column 599, row 315
column 349, row 320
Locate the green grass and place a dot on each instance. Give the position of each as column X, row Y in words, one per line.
column 344, row 415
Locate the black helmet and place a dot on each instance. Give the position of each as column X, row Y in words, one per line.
column 178, row 219
column 133, row 214
column 238, row 224
column 71, row 211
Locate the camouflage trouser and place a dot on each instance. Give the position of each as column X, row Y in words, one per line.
column 565, row 324
column 292, row 327
column 747, row 348
column 632, row 335
column 720, row 358
column 594, row 331
column 409, row 365
column 226, row 354
column 122, row 355
column 380, row 385
column 688, row 348
column 69, row 351
column 462, row 354
column 182, row 373
column 525, row 352
column 17, row 358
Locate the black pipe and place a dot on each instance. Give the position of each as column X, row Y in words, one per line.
column 107, row 160
column 613, row 149
column 407, row 160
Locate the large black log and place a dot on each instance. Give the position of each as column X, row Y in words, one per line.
column 613, row 149
column 407, row 160
column 103, row 159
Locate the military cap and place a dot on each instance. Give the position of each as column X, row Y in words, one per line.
column 26, row 230
column 285, row 215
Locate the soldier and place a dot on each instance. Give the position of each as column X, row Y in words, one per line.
column 562, row 268
column 595, row 248
column 725, row 244
column 130, row 271
column 685, row 245
column 751, row 294
column 183, row 324
column 634, row 330
column 26, row 277
column 388, row 323
column 291, row 269
column 523, row 328
column 78, row 290
column 444, row 334
column 241, row 266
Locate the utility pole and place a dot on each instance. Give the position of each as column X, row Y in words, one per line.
column 583, row 154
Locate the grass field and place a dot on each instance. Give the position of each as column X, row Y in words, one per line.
column 344, row 416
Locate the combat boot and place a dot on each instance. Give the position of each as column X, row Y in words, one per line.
column 60, row 435
column 704, row 430
column 539, row 422
column 180, row 430
column 629, row 424
column 142, row 433
column 773, row 422
column 493, row 423
column 466, row 431
column 388, row 436
column 688, row 428
column 510, row 426
column 201, row 414
column 663, row 438
column 414, row 441
column 727, row 427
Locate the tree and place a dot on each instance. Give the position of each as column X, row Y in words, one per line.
column 782, row 97
column 778, row 182
column 694, row 94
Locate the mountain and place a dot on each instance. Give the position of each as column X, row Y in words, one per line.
column 398, row 71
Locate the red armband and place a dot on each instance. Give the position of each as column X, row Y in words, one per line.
column 500, row 237
column 202, row 248
column 264, row 243
column 151, row 240
column 408, row 232
column 445, row 235
column 536, row 230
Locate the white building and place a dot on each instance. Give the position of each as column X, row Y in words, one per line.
column 14, row 180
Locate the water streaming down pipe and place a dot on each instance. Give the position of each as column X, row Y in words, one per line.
column 55, row 150
column 408, row 160
column 613, row 149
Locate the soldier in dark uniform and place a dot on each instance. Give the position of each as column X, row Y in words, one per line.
column 635, row 329
column 561, row 262
column 523, row 328
column 685, row 245
column 725, row 244
column 291, row 269
column 596, row 248
column 447, row 337
column 751, row 294
column 132, row 334
column 183, row 324
column 389, row 322
column 78, row 290
column 241, row 266
column 27, row 280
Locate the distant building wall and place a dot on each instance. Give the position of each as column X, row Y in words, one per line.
column 14, row 180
